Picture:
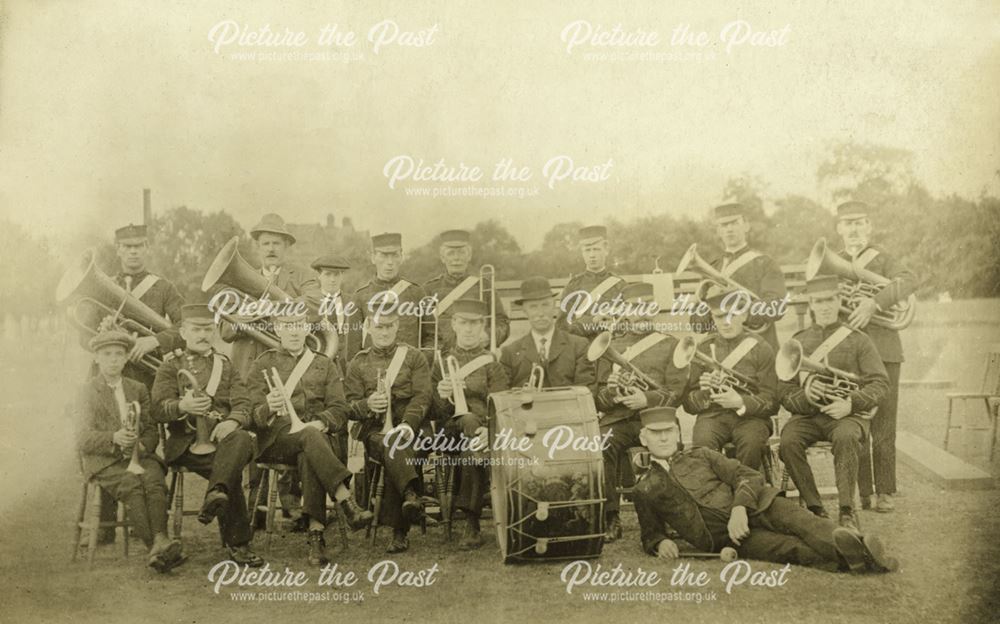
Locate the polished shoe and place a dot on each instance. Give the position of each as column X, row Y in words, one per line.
column 818, row 510
column 399, row 543
column 851, row 548
column 413, row 507
column 876, row 557
column 884, row 504
column 847, row 519
column 167, row 557
column 356, row 517
column 216, row 503
column 244, row 556
column 613, row 530
column 317, row 549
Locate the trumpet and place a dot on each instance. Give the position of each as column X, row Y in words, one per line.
column 203, row 424
column 132, row 426
column 818, row 379
column 630, row 378
column 712, row 276
column 382, row 387
column 858, row 283
column 487, row 287
column 536, row 379
column 274, row 382
column 458, row 392
column 85, row 284
column 687, row 352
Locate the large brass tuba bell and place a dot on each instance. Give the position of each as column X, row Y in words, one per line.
column 817, row 378
column 600, row 348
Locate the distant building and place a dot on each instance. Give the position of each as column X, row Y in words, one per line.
column 314, row 240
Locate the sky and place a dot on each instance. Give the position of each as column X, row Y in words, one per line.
column 99, row 100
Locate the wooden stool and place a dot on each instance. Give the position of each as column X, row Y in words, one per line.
column 91, row 494
column 989, row 394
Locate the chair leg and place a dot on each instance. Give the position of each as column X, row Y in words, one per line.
column 178, row 503
column 377, row 493
column 80, row 517
column 93, row 522
column 123, row 525
column 341, row 525
column 272, row 504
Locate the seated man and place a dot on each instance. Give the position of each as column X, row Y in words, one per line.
column 201, row 383
column 727, row 414
column 113, row 416
column 711, row 500
column 480, row 375
column 314, row 394
column 388, row 389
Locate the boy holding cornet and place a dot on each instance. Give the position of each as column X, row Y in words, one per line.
column 298, row 399
column 117, row 440
column 200, row 399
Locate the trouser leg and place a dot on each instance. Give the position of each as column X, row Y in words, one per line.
column 624, row 435
column 750, row 437
column 400, row 472
column 797, row 435
column 884, row 434
column 785, row 516
column 712, row 431
column 846, row 434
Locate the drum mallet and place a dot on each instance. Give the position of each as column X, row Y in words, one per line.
column 726, row 555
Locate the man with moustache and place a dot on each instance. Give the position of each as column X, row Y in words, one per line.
column 479, row 376
column 201, row 382
column 651, row 352
column 855, row 229
column 391, row 292
column 404, row 397
column 593, row 285
column 455, row 284
column 562, row 355
column 750, row 268
column 314, row 385
column 840, row 421
column 712, row 501
column 726, row 414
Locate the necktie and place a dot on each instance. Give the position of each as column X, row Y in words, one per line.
column 543, row 349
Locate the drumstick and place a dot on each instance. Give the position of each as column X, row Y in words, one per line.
column 726, row 555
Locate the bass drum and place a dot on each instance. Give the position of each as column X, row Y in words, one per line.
column 546, row 507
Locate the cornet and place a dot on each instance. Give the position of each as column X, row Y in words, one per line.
column 630, row 378
column 381, row 387
column 132, row 426
column 687, row 351
column 817, row 378
column 691, row 261
column 274, row 382
column 536, row 379
column 458, row 392
column 203, row 424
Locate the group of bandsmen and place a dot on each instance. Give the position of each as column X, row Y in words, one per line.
column 390, row 365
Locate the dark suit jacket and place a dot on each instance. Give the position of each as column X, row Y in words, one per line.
column 567, row 363
column 97, row 418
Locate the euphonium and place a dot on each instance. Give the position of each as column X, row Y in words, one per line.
column 816, row 378
column 630, row 378
column 687, row 351
column 132, row 426
column 203, row 424
column 857, row 283
column 274, row 382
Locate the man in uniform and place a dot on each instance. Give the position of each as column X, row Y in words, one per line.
column 314, row 387
column 389, row 291
column 855, row 230
column 455, row 284
column 841, row 420
column 561, row 355
column 751, row 269
column 216, row 393
column 272, row 241
column 593, row 285
column 479, row 375
column 726, row 414
column 713, row 501
column 106, row 441
column 330, row 270
column 651, row 352
column 390, row 380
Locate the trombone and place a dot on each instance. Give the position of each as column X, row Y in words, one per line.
column 487, row 287
column 203, row 424
column 687, row 352
column 630, row 378
column 818, row 378
column 274, row 383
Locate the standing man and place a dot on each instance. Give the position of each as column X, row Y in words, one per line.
column 271, row 241
column 855, row 230
column 387, row 290
column 479, row 376
column 202, row 383
column 752, row 269
column 841, row 420
column 561, row 355
column 724, row 413
column 619, row 403
column 595, row 284
column 455, row 284
column 388, row 390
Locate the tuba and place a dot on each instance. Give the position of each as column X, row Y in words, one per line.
column 132, row 426
column 687, row 351
column 203, row 424
column 86, row 285
column 274, row 382
column 630, row 378
column 817, row 378
column 691, row 261
column 857, row 283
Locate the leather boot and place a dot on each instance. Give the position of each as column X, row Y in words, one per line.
column 357, row 518
column 317, row 549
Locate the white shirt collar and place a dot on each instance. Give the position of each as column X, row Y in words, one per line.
column 548, row 338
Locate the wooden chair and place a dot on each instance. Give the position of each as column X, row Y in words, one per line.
column 267, row 489
column 89, row 517
column 989, row 394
